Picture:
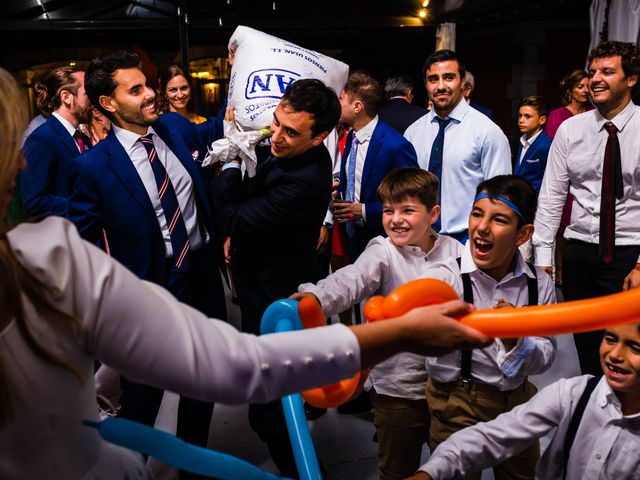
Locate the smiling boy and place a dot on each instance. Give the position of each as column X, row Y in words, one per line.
column 604, row 443
column 396, row 386
column 469, row 387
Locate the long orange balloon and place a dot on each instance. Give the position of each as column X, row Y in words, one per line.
column 575, row 316
column 328, row 396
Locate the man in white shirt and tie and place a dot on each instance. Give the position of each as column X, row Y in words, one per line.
column 457, row 143
column 595, row 156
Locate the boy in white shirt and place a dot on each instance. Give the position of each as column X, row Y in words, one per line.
column 597, row 422
column 409, row 197
column 476, row 386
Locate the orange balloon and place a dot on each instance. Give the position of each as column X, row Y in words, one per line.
column 374, row 308
column 576, row 316
column 333, row 395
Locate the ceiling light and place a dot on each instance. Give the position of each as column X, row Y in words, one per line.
column 422, row 13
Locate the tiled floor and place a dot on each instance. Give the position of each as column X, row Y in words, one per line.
column 343, row 442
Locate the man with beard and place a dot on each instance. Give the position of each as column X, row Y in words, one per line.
column 51, row 148
column 455, row 142
column 595, row 157
column 140, row 195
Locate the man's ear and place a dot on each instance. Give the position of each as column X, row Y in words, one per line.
column 524, row 234
column 66, row 97
column 318, row 139
column 107, row 103
column 632, row 80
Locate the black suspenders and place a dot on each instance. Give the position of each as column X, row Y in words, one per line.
column 576, row 418
column 467, row 294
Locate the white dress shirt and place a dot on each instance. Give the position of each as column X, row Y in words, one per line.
column 179, row 177
column 381, row 268
column 606, row 445
column 575, row 166
column 493, row 365
column 475, row 149
column 142, row 331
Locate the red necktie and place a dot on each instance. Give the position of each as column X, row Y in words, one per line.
column 78, row 137
column 611, row 189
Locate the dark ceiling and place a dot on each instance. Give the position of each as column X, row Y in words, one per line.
column 33, row 31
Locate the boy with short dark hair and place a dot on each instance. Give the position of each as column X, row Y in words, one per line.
column 468, row 387
column 409, row 209
column 533, row 151
column 596, row 422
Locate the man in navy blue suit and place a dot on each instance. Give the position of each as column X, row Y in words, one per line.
column 51, row 148
column 398, row 111
column 372, row 150
column 140, row 195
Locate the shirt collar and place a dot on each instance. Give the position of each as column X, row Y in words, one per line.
column 528, row 143
column 128, row 138
column 365, row 133
column 412, row 249
column 606, row 396
column 467, row 264
column 65, row 123
column 457, row 114
column 619, row 120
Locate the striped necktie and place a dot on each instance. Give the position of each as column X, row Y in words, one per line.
column 170, row 206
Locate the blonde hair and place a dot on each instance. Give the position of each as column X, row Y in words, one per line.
column 15, row 280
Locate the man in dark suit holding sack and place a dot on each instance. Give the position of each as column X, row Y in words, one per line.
column 139, row 194
column 273, row 220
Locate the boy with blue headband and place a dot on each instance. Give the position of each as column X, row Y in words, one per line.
column 467, row 387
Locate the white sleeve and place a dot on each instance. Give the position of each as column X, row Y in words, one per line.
column 485, row 444
column 553, row 195
column 352, row 283
column 142, row 331
column 496, row 154
column 531, row 355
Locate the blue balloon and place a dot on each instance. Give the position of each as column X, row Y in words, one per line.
column 280, row 316
column 170, row 449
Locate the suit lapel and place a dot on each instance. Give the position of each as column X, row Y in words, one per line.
column 176, row 144
column 123, row 168
column 377, row 137
column 64, row 136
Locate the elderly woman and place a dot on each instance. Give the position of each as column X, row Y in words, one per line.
column 63, row 303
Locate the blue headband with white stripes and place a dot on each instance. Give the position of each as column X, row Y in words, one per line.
column 504, row 200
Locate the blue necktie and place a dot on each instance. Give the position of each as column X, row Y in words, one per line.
column 351, row 181
column 170, row 206
column 435, row 160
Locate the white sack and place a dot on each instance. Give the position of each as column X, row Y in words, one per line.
column 263, row 67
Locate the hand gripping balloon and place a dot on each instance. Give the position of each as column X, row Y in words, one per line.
column 576, row 316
